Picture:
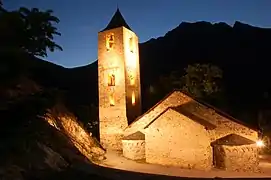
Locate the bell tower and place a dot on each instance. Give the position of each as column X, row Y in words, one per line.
column 119, row 80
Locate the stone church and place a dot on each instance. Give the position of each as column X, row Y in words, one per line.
column 178, row 130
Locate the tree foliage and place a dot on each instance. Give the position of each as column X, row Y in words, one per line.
column 199, row 80
column 202, row 80
column 28, row 30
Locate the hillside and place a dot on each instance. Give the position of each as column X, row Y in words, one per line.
column 40, row 134
column 41, row 137
column 241, row 51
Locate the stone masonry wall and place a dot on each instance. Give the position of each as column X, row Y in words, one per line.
column 124, row 65
column 224, row 126
column 112, row 117
column 134, row 149
column 132, row 75
column 173, row 139
column 111, row 128
column 236, row 158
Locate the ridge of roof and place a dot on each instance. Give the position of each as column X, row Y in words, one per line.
column 159, row 102
column 194, row 117
column 198, row 120
column 154, row 119
column 233, row 140
column 221, row 113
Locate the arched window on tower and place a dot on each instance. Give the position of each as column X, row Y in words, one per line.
column 110, row 41
column 133, row 98
column 111, row 99
column 131, row 45
column 111, row 79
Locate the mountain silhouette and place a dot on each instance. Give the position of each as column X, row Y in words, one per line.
column 241, row 51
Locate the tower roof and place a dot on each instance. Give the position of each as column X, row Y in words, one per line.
column 117, row 21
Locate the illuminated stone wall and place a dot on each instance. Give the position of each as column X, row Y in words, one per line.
column 173, row 100
column 134, row 149
column 173, row 139
column 134, row 146
column 237, row 158
column 115, row 90
column 224, row 126
column 169, row 143
column 132, row 75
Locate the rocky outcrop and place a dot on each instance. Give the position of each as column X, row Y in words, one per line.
column 67, row 123
column 32, row 148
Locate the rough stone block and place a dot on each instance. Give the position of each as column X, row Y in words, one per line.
column 236, row 158
column 134, row 149
column 134, row 146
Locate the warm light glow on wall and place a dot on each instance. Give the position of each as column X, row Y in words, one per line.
column 131, row 62
column 132, row 81
column 130, row 53
column 131, row 76
column 260, row 143
column 111, row 100
column 133, row 98
column 131, row 45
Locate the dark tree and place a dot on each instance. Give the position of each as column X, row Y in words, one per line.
column 29, row 30
column 202, row 80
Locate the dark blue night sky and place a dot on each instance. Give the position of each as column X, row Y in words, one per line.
column 81, row 20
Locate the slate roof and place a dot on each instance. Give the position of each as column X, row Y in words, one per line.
column 233, row 140
column 117, row 21
column 188, row 108
column 135, row 136
column 188, row 114
column 199, row 119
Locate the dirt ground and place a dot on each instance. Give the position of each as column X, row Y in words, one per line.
column 116, row 161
